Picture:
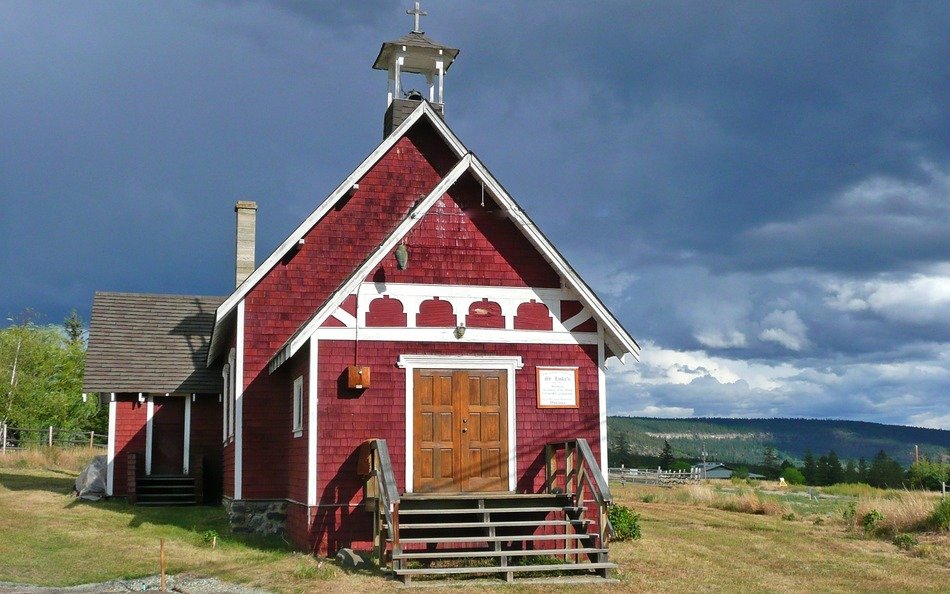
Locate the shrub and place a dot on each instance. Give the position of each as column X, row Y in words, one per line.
column 941, row 516
column 928, row 475
column 850, row 513
column 789, row 516
column 905, row 541
column 793, row 476
column 210, row 536
column 901, row 511
column 871, row 520
column 648, row 498
column 626, row 522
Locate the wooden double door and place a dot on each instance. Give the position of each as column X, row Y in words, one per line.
column 460, row 420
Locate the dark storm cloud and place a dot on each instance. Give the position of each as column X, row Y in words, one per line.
column 760, row 186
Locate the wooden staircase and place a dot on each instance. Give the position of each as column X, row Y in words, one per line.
column 165, row 490
column 559, row 533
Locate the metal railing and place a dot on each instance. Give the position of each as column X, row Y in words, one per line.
column 382, row 494
column 18, row 438
column 580, row 478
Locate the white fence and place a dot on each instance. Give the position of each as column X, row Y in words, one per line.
column 16, row 438
column 657, row 477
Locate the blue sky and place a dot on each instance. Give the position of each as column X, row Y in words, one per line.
column 759, row 190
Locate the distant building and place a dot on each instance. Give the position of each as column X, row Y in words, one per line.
column 718, row 470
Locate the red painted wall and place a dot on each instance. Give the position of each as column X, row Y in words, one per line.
column 296, row 446
column 347, row 418
column 129, row 437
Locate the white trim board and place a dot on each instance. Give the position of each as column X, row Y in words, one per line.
column 239, row 403
column 186, row 452
column 149, row 433
column 110, row 451
column 508, row 364
column 312, row 402
column 342, row 190
column 472, row 335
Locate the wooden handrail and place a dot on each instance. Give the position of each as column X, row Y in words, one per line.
column 376, row 466
column 582, row 474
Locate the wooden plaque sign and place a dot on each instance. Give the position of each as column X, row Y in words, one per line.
column 558, row 387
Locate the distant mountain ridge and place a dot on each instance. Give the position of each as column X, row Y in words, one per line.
column 745, row 440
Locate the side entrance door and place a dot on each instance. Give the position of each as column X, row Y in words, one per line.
column 168, row 435
column 460, row 420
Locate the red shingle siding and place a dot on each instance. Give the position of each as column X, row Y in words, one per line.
column 533, row 316
column 385, row 311
column 347, row 418
column 435, row 313
column 296, row 446
column 459, row 242
column 130, row 416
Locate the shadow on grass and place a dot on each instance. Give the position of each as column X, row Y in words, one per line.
column 200, row 519
column 20, row 480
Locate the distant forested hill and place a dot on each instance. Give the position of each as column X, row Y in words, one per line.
column 745, row 440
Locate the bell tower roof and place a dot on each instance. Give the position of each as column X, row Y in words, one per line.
column 413, row 54
column 420, row 53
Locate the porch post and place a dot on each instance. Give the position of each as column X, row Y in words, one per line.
column 187, row 432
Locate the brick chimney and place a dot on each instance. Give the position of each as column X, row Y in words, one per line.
column 246, row 222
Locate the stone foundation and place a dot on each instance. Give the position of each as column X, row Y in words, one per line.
column 260, row 517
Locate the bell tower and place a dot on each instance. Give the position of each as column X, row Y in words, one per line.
column 415, row 55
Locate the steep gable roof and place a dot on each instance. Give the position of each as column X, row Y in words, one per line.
column 618, row 340
column 150, row 343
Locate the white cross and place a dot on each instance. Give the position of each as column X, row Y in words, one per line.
column 416, row 13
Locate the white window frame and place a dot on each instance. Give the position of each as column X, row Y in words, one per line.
column 232, row 393
column 226, row 402
column 298, row 407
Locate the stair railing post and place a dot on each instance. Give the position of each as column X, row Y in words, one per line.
column 548, row 468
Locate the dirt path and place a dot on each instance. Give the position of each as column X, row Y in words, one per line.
column 182, row 584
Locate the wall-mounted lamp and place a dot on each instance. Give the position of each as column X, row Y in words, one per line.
column 459, row 332
column 402, row 256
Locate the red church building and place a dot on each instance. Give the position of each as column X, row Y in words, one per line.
column 416, row 351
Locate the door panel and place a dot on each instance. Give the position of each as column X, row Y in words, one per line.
column 461, row 432
column 168, row 435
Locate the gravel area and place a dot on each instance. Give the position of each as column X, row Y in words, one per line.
column 182, row 584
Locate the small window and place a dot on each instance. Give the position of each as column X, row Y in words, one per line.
column 226, row 401
column 298, row 406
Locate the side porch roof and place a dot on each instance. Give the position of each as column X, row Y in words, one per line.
column 150, row 343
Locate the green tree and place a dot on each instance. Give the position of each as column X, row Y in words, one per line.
column 74, row 327
column 666, row 456
column 770, row 462
column 834, row 474
column 46, row 388
column 885, row 472
column 851, row 472
column 862, row 470
column 822, row 472
column 810, row 468
column 925, row 474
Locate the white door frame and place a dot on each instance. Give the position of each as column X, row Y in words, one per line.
column 508, row 364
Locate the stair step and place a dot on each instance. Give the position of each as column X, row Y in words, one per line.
column 165, row 487
column 166, row 503
column 511, row 568
column 481, row 554
column 493, row 510
column 490, row 524
column 513, row 537
column 484, row 496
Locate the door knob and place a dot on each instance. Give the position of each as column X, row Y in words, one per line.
column 464, row 430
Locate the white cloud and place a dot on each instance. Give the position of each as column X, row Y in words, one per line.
column 908, row 389
column 918, row 298
column 721, row 339
column 786, row 329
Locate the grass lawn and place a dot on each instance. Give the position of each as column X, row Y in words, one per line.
column 47, row 537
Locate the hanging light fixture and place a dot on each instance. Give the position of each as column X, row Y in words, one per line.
column 402, row 256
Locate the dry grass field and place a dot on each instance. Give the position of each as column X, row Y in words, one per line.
column 727, row 538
